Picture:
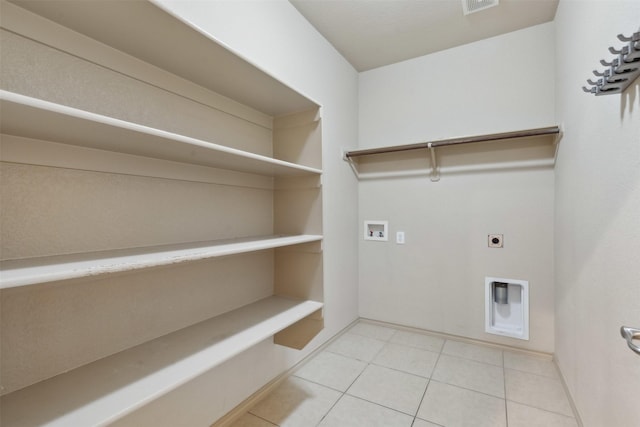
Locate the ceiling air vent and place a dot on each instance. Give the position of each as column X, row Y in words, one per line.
column 472, row 6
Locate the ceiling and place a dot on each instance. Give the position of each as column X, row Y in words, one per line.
column 373, row 33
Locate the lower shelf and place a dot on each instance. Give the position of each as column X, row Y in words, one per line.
column 108, row 389
column 32, row 271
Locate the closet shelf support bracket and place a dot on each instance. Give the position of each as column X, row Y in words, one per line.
column 435, row 174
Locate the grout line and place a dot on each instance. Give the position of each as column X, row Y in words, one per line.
column 424, row 393
column 371, row 363
column 541, row 409
column 472, row 360
column 544, row 410
column 344, row 332
column 435, row 366
column 469, row 389
column 263, row 419
column 557, row 379
column 415, row 347
column 331, row 408
column 400, row 371
column 379, row 404
column 321, row 385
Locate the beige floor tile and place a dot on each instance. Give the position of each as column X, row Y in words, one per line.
column 393, row 389
column 414, row 339
column 526, row 416
column 332, row 370
column 356, row 346
column 353, row 412
column 537, row 391
column 296, row 403
column 407, row 359
column 249, row 420
column 452, row 406
column 385, row 372
column 533, row 365
column 475, row 352
column 373, row 331
column 470, row 374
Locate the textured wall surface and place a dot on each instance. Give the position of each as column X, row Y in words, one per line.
column 436, row 279
column 597, row 241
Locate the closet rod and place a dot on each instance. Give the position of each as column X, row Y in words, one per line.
column 456, row 141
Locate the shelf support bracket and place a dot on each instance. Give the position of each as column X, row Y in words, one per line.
column 435, row 174
column 354, row 168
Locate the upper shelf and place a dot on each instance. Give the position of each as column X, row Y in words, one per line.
column 35, row 118
column 31, row 271
column 180, row 48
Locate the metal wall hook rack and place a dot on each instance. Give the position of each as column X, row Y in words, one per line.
column 621, row 71
column 435, row 172
column 630, row 334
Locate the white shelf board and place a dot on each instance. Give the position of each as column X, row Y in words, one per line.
column 146, row 31
column 35, row 118
column 31, row 271
column 104, row 391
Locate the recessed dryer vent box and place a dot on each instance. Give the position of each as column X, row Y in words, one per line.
column 507, row 307
column 376, row 230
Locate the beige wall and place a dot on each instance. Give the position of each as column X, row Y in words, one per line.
column 436, row 280
column 597, row 241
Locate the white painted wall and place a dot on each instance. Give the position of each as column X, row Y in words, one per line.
column 597, row 221
column 276, row 38
column 436, row 280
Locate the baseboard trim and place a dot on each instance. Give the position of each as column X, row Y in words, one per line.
column 574, row 408
column 459, row 338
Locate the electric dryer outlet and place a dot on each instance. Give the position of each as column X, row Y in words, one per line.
column 496, row 240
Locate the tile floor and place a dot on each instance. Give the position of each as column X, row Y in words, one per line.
column 375, row 375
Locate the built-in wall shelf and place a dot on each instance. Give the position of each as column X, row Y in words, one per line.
column 106, row 390
column 128, row 128
column 34, row 118
column 32, row 271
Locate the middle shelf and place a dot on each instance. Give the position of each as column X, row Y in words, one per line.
column 32, row 271
column 38, row 119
